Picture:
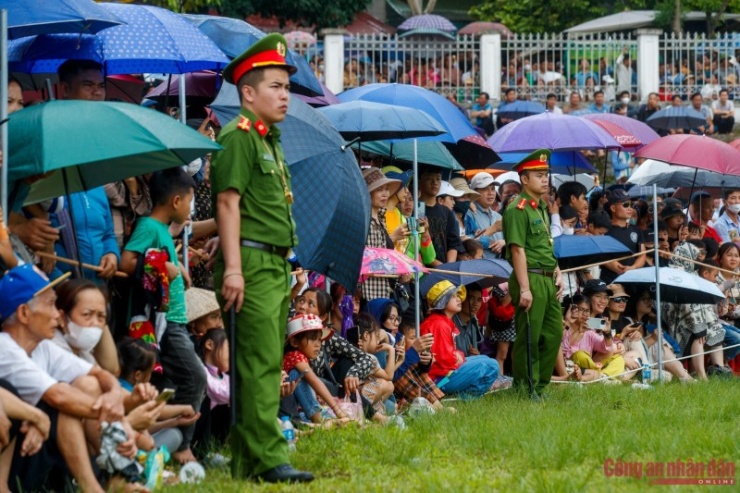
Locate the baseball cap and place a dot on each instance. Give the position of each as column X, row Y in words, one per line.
column 446, row 189
column 481, row 180
column 21, row 284
column 616, row 196
column 596, row 286
column 307, row 323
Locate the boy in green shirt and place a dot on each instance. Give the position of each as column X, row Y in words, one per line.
column 171, row 192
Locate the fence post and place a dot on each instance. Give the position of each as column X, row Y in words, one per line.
column 490, row 65
column 648, row 59
column 334, row 59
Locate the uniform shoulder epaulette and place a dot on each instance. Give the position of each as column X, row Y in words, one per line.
column 245, row 124
column 522, row 203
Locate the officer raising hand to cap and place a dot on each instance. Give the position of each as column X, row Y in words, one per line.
column 253, row 198
column 535, row 284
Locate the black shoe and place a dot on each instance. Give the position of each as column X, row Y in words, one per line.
column 285, row 473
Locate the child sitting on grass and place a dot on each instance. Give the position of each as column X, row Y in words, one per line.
column 412, row 376
column 305, row 335
column 213, row 428
column 379, row 386
column 452, row 372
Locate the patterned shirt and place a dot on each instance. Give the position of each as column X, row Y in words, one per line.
column 377, row 237
column 336, row 347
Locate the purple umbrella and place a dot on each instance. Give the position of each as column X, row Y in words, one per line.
column 328, row 98
column 427, row 21
column 635, row 127
column 551, row 131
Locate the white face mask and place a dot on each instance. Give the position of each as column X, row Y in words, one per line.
column 734, row 208
column 567, row 230
column 82, row 338
column 625, row 100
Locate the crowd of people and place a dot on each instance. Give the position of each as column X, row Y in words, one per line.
column 131, row 354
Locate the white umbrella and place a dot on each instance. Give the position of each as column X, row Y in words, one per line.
column 676, row 285
column 666, row 175
column 582, row 178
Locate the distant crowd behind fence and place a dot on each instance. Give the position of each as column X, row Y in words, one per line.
column 536, row 65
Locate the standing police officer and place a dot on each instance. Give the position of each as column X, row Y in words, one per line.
column 252, row 199
column 535, row 284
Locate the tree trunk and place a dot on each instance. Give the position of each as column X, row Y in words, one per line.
column 415, row 6
column 713, row 19
column 677, row 17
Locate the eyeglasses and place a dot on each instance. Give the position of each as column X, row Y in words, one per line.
column 576, row 309
column 620, row 299
column 394, row 318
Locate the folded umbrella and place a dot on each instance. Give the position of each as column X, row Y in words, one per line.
column 676, row 285
column 577, row 250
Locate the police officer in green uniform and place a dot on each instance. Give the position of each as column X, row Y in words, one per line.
column 535, row 284
column 252, row 200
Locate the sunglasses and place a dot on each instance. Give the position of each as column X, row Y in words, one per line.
column 626, row 205
column 620, row 299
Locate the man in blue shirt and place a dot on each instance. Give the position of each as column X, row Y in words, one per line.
column 482, row 111
column 599, row 106
column 728, row 224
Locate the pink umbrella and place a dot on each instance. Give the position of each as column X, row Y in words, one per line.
column 695, row 151
column 479, row 28
column 300, row 38
column 383, row 261
column 736, row 144
column 635, row 127
column 621, row 135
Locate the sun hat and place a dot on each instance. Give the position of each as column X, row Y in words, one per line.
column 21, row 284
column 446, row 189
column 374, row 179
column 481, row 180
column 199, row 303
column 442, row 292
column 617, row 291
column 459, row 183
column 395, row 173
column 305, row 322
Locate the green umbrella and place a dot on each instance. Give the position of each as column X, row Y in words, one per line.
column 430, row 153
column 87, row 144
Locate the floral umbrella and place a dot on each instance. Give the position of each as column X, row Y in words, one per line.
column 383, row 261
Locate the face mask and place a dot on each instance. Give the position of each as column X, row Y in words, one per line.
column 567, row 230
column 527, row 68
column 461, row 207
column 82, row 338
column 625, row 100
column 734, row 208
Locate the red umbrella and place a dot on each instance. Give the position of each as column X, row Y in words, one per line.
column 696, row 151
column 625, row 139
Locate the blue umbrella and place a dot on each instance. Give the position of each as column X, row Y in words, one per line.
column 461, row 138
column 234, row 36
column 332, row 206
column 576, row 250
column 32, row 17
column 562, row 162
column 520, row 109
column 369, row 121
column 486, row 273
column 676, row 117
column 153, row 40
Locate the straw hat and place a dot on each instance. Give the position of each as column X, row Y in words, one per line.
column 459, row 183
column 374, row 179
column 199, row 303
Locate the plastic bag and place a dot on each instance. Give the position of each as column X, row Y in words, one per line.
column 353, row 409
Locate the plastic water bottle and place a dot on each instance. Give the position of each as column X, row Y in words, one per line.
column 288, row 432
column 647, row 373
column 192, row 472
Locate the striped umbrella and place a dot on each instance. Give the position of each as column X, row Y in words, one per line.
column 427, row 21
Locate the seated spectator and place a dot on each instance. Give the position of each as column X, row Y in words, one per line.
column 727, row 225
column 724, row 113
column 551, row 104
column 412, row 377
column 469, row 339
column 482, row 112
column 453, row 373
column 83, row 329
column 203, row 312
column 305, row 334
column 387, row 314
column 74, row 393
column 599, row 106
column 574, row 103
column 708, row 127
column 701, row 211
column 473, row 250
column 500, row 330
column 509, row 98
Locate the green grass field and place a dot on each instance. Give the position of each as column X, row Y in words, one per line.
column 505, row 443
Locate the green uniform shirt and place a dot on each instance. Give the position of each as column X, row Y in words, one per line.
column 529, row 228
column 250, row 164
column 150, row 233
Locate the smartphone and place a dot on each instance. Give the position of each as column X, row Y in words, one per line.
column 399, row 340
column 422, row 208
column 596, row 323
column 166, row 395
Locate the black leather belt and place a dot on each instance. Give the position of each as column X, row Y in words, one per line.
column 543, row 272
column 275, row 250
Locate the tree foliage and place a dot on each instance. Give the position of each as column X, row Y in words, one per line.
column 316, row 13
column 184, row 6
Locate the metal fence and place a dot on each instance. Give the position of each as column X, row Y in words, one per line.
column 448, row 66
column 692, row 63
column 539, row 64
